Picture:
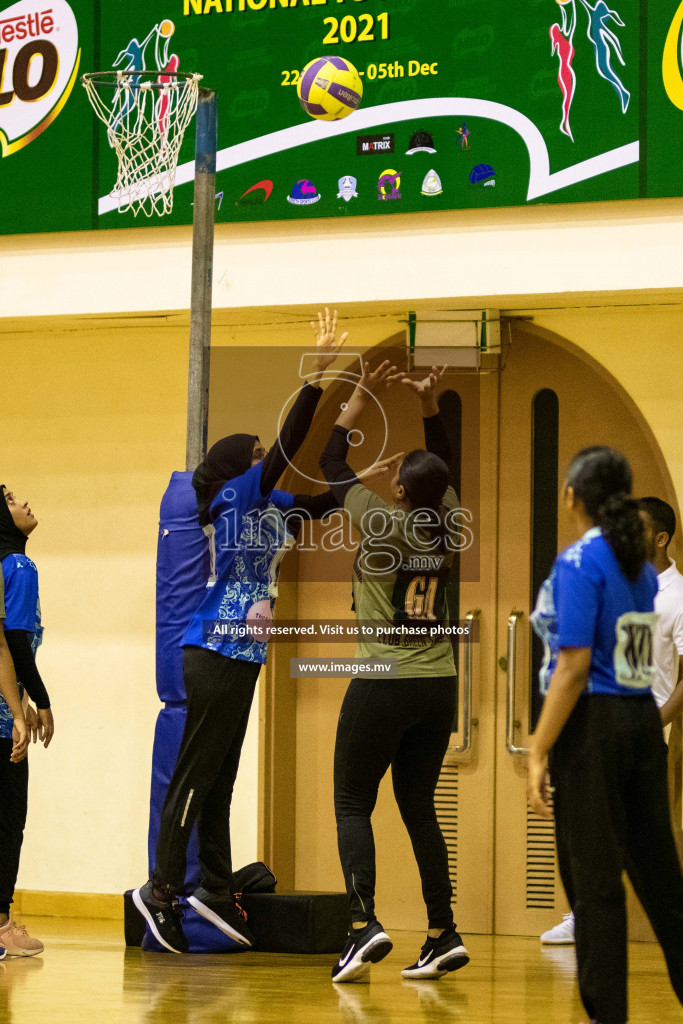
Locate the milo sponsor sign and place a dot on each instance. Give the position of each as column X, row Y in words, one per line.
column 39, row 57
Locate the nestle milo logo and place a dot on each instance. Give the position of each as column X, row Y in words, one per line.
column 473, row 41
column 250, row 104
column 39, row 59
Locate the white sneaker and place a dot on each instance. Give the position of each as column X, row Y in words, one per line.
column 562, row 934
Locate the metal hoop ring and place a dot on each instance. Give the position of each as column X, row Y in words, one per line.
column 115, row 79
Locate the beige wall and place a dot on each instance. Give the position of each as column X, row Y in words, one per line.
column 643, row 349
column 539, row 250
column 91, row 427
column 93, row 422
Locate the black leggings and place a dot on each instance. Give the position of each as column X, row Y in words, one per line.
column 405, row 723
column 219, row 695
column 14, row 795
column 609, row 770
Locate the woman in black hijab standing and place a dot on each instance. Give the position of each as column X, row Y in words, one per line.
column 254, row 526
column 23, row 632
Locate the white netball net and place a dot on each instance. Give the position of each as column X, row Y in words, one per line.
column 145, row 121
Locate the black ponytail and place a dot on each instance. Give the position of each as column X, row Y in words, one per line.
column 424, row 477
column 601, row 478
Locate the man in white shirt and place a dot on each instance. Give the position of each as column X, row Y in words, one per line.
column 659, row 520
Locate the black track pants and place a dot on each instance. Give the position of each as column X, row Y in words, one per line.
column 405, row 723
column 13, row 803
column 219, row 695
column 609, row 770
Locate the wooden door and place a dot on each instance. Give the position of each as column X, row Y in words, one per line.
column 466, row 788
column 554, row 400
column 522, row 422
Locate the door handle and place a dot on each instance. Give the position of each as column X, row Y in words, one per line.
column 467, row 675
column 513, row 621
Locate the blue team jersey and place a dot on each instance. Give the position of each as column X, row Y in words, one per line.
column 588, row 602
column 22, row 611
column 250, row 539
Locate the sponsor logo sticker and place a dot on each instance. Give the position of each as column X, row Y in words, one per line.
column 388, row 185
column 257, row 195
column 303, row 193
column 369, row 144
column 347, row 188
column 431, row 186
column 464, row 132
column 420, row 142
column 483, row 174
column 39, row 58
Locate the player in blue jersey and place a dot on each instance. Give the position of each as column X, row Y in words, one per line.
column 23, row 633
column 254, row 526
column 602, row 731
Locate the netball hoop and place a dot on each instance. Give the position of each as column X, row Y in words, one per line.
column 145, row 121
column 145, row 114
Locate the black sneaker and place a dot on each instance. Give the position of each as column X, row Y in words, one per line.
column 225, row 912
column 365, row 946
column 438, row 956
column 163, row 918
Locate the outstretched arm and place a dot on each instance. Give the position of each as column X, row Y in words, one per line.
column 300, row 416
column 308, row 506
column 436, row 438
column 333, row 462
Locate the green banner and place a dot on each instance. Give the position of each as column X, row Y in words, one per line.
column 465, row 104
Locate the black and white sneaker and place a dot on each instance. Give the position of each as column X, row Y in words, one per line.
column 225, row 912
column 365, row 946
column 163, row 918
column 439, row 956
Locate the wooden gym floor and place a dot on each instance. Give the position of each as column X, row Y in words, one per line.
column 87, row 975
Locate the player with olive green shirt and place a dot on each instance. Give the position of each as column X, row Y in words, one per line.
column 399, row 585
column 404, row 723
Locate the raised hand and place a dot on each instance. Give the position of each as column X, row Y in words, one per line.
column 426, row 387
column 378, row 379
column 327, row 346
column 370, row 382
column 426, row 390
